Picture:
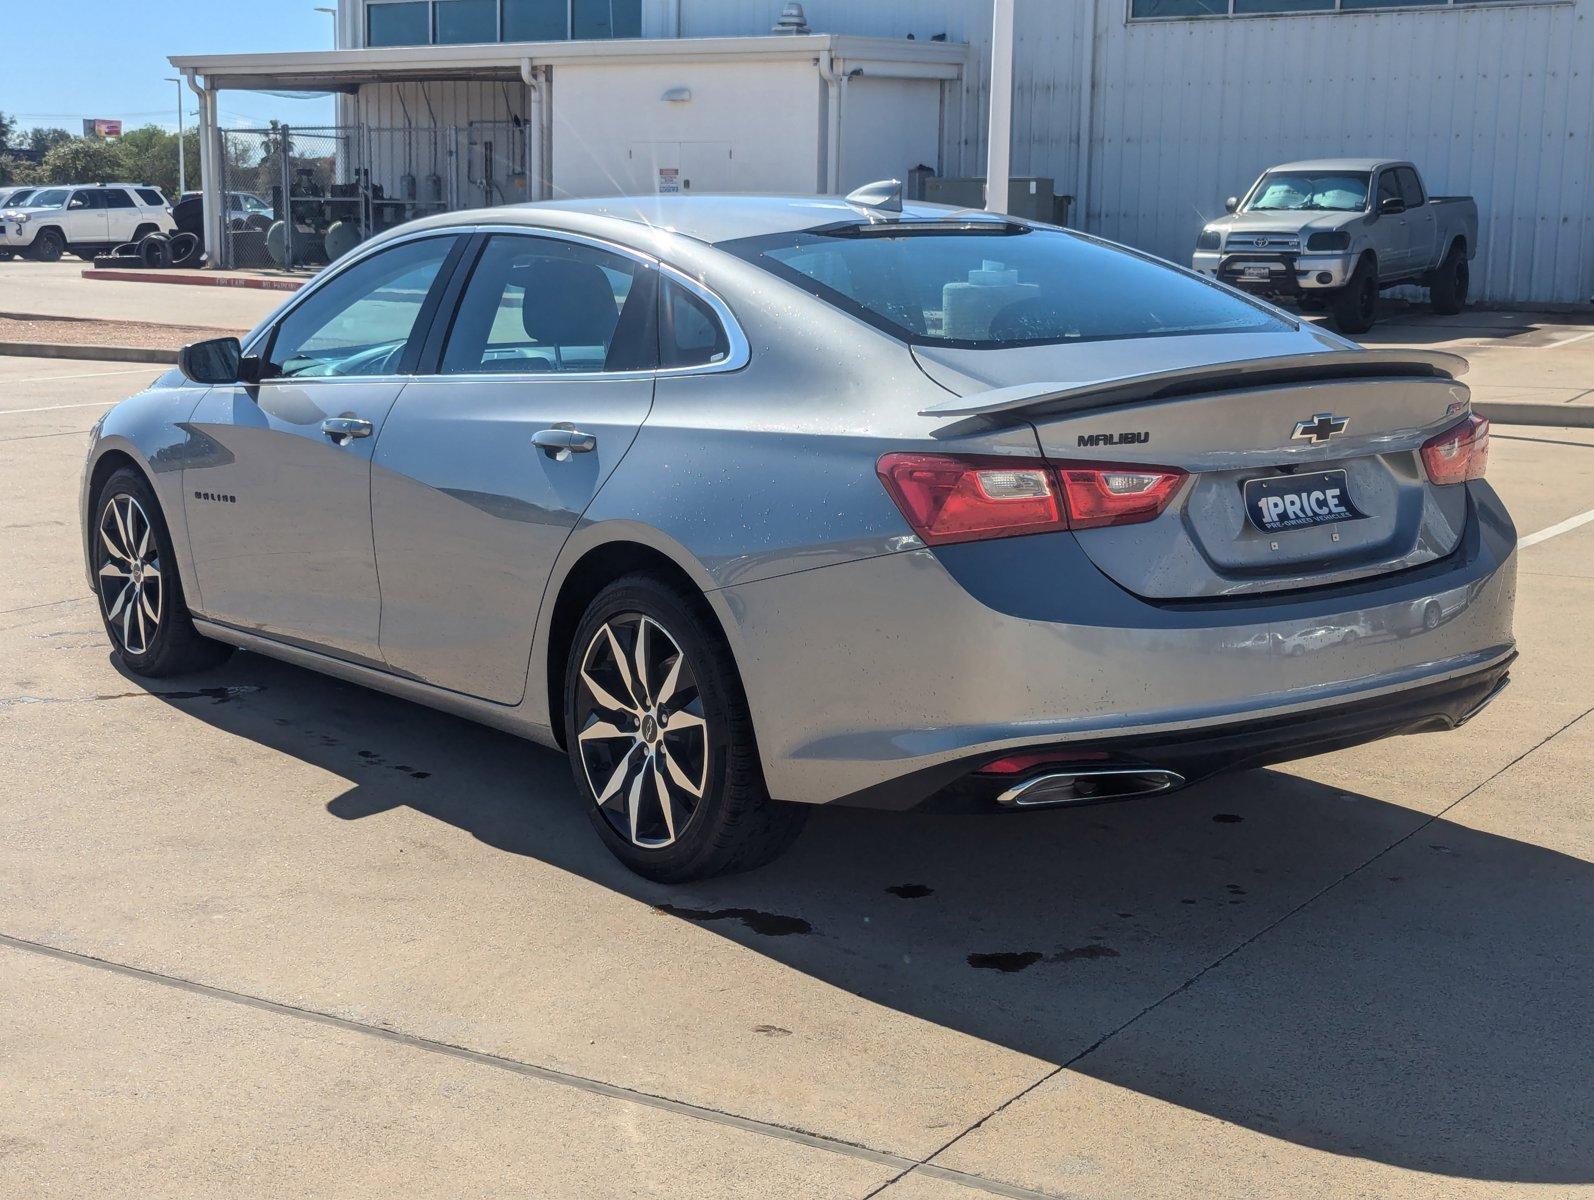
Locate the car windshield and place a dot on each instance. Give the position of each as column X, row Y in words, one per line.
column 250, row 204
column 17, row 198
column 968, row 287
column 48, row 198
column 1311, row 191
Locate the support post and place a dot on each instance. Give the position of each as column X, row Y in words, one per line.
column 210, row 172
column 999, row 146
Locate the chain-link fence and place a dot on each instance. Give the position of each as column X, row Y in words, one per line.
column 342, row 185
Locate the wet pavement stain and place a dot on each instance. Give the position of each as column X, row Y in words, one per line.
column 772, row 1030
column 1007, row 962
column 768, row 924
column 911, row 891
column 1227, row 818
column 216, row 695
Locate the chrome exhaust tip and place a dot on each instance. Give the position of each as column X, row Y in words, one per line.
column 1089, row 785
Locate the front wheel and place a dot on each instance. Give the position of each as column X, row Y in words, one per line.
column 48, row 247
column 1356, row 304
column 135, row 574
column 661, row 740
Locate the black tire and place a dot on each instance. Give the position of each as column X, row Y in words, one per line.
column 1447, row 291
column 732, row 824
column 48, row 247
column 162, row 641
column 156, row 251
column 143, row 231
column 1356, row 304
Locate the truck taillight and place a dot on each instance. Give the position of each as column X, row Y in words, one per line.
column 1459, row 453
column 955, row 498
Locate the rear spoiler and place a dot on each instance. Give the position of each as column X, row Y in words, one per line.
column 1318, row 366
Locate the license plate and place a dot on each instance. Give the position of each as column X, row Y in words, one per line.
column 1299, row 501
column 1258, row 271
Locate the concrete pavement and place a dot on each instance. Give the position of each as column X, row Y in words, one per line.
column 1364, row 974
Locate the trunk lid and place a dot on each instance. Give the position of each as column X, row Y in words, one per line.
column 1227, row 412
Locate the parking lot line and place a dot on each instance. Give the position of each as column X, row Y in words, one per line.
column 1566, row 526
column 901, row 1163
column 84, row 375
column 1581, row 337
column 12, row 412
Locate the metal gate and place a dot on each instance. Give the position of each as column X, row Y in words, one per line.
column 343, row 184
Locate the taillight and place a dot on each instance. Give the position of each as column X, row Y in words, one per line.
column 1459, row 453
column 1116, row 495
column 953, row 498
column 949, row 499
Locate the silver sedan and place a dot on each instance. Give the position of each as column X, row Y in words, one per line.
column 752, row 504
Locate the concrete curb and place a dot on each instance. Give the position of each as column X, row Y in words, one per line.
column 196, row 279
column 138, row 354
column 1569, row 416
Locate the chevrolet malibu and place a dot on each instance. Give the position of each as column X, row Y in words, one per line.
column 753, row 504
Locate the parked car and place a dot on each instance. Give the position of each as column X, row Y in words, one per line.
column 1335, row 232
column 87, row 220
column 244, row 209
column 756, row 503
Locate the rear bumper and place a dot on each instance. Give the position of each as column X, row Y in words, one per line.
column 881, row 681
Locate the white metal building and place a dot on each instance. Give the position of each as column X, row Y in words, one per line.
column 1152, row 111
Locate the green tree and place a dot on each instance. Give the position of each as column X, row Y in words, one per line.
column 42, row 141
column 16, row 171
column 149, row 155
column 82, row 160
column 8, row 127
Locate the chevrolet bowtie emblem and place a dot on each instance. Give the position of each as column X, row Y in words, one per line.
column 1320, row 428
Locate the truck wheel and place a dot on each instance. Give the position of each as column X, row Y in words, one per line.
column 48, row 247
column 1356, row 304
column 1448, row 290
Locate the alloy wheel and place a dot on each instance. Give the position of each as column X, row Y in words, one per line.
column 132, row 587
column 641, row 730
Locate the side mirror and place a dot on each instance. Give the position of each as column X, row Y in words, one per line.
column 1232, row 204
column 220, row 361
column 1392, row 206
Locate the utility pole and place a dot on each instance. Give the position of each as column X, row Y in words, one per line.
column 999, row 148
column 182, row 150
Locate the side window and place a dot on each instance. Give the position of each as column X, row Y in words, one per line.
column 359, row 322
column 1410, row 187
column 117, row 198
column 85, row 199
column 1388, row 189
column 536, row 305
column 690, row 335
column 152, row 198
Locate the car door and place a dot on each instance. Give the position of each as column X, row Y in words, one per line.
column 122, row 215
column 485, row 466
column 1388, row 230
column 277, row 483
column 84, row 220
column 1421, row 223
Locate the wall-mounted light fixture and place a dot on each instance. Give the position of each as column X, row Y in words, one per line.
column 680, row 95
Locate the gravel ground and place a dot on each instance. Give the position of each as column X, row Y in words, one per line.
column 141, row 334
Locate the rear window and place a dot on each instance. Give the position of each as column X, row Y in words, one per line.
column 1008, row 285
column 152, row 198
column 117, row 198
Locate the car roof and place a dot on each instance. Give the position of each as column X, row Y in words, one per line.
column 1341, row 164
column 726, row 218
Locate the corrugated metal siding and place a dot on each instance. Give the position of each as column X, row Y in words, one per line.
column 1497, row 102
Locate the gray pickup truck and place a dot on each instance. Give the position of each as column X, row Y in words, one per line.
column 1332, row 233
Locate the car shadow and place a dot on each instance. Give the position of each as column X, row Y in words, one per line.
column 1427, row 1008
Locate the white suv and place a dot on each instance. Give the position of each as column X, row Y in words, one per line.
column 85, row 220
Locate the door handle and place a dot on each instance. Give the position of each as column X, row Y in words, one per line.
column 560, row 442
column 343, row 430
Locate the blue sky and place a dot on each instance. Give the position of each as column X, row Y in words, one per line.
column 112, row 63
